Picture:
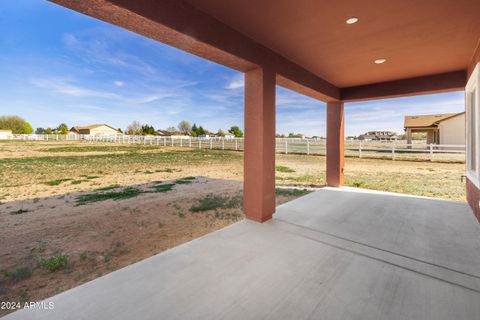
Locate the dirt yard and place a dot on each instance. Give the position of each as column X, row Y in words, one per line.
column 70, row 212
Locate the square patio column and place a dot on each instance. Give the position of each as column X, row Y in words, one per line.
column 259, row 145
column 335, row 144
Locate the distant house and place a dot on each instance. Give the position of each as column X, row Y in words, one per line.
column 5, row 134
column 447, row 128
column 95, row 130
column 378, row 136
column 207, row 135
column 229, row 135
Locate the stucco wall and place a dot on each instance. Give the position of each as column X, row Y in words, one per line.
column 5, row 135
column 103, row 131
column 452, row 131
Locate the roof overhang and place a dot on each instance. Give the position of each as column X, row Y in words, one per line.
column 431, row 46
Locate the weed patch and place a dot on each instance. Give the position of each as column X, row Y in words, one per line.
column 116, row 249
column 284, row 169
column 211, row 202
column 19, row 274
column 291, row 192
column 358, row 184
column 114, row 195
column 186, row 180
column 19, row 211
column 89, row 177
column 57, row 182
column 110, row 187
column 164, row 187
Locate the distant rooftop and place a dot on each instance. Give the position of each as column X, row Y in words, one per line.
column 427, row 120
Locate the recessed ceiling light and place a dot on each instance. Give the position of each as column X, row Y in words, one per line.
column 380, row 61
column 352, row 20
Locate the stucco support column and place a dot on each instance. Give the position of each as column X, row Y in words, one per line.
column 259, row 145
column 335, row 144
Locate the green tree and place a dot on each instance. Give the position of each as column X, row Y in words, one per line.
column 148, row 130
column 221, row 133
column 185, row 127
column 201, row 131
column 62, row 129
column 40, row 131
column 48, row 131
column 295, row 135
column 235, row 130
column 16, row 124
column 194, row 130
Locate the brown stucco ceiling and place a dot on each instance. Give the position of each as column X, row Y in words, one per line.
column 417, row 37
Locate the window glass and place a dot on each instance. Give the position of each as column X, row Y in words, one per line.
column 472, row 133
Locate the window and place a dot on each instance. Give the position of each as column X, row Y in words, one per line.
column 472, row 93
column 473, row 138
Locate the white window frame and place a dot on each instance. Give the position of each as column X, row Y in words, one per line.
column 473, row 85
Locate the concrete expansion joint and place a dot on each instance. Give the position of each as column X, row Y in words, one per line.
column 438, row 272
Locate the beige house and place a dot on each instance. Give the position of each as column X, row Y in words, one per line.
column 95, row 130
column 447, row 128
column 5, row 134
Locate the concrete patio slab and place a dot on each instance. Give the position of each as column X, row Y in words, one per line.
column 333, row 254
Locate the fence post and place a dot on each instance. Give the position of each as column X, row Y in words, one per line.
column 223, row 143
column 360, row 149
column 199, row 143
column 236, row 144
column 393, row 151
column 431, row 152
column 211, row 143
column 286, row 146
column 181, row 142
column 190, row 142
column 308, row 147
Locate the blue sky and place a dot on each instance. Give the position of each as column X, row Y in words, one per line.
column 60, row 66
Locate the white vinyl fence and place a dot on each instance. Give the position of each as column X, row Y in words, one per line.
column 388, row 150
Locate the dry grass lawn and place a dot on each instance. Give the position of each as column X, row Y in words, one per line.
column 70, row 212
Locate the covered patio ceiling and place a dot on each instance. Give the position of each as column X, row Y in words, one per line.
column 428, row 45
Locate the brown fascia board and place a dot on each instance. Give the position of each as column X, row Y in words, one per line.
column 455, row 115
column 421, row 128
column 182, row 26
column 475, row 60
column 437, row 83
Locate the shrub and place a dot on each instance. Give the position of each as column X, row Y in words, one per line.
column 57, row 262
column 19, row 274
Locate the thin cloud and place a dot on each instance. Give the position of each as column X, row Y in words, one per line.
column 67, row 88
column 236, row 82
